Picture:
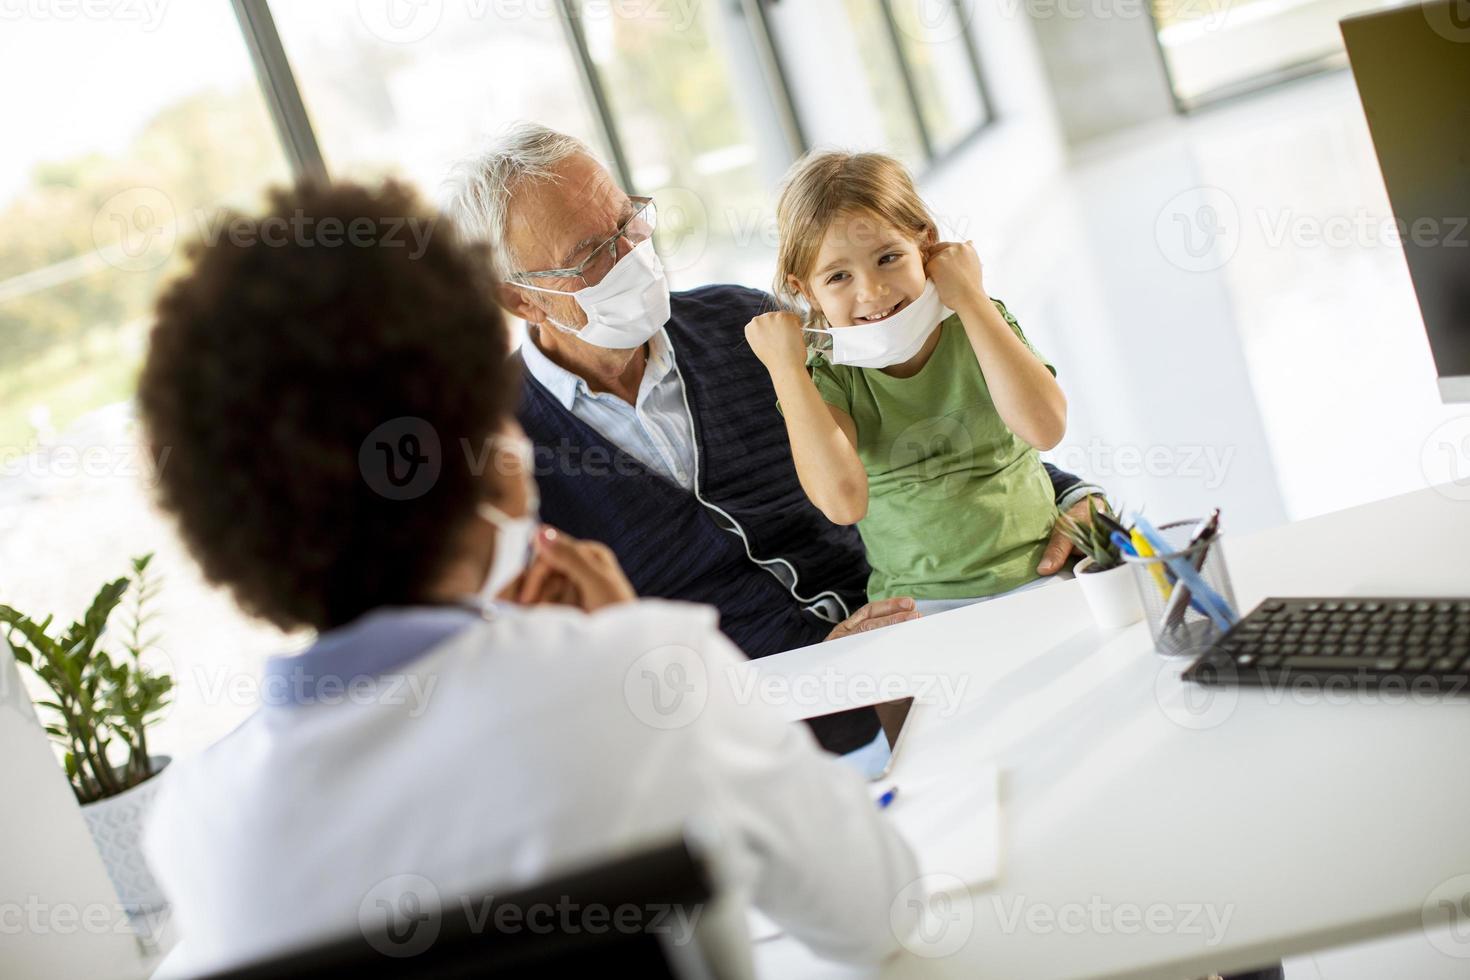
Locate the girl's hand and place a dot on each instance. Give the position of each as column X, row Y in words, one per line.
column 955, row 269
column 777, row 341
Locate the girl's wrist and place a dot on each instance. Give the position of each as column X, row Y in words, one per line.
column 974, row 304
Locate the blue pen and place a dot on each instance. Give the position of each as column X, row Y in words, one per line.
column 1124, row 545
column 888, row 797
column 1215, row 605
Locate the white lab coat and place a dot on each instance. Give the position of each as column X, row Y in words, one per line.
column 516, row 747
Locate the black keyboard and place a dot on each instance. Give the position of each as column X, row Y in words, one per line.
column 1416, row 644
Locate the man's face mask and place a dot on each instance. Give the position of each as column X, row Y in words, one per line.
column 630, row 302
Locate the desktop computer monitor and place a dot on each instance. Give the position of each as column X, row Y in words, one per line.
column 1412, row 66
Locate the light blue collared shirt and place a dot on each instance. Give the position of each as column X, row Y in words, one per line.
column 655, row 430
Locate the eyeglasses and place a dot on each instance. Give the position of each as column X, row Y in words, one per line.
column 638, row 228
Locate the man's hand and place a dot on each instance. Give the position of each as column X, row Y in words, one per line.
column 776, row 339
column 955, row 269
column 876, row 615
column 1060, row 546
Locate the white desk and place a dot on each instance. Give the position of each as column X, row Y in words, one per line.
column 1310, row 825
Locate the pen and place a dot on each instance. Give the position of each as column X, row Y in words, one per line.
column 889, row 795
column 1215, row 605
column 1143, row 549
column 1203, row 533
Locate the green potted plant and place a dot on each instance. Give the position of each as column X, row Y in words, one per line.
column 97, row 710
column 1107, row 583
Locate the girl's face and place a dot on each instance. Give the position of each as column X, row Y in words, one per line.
column 865, row 271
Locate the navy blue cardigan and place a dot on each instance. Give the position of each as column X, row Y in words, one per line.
column 785, row 555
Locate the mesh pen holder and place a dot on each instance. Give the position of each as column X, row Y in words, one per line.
column 1178, row 619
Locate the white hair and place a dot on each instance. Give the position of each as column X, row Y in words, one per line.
column 478, row 189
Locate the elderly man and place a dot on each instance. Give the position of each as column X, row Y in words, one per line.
column 655, row 426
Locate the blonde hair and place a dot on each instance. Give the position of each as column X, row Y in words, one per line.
column 823, row 186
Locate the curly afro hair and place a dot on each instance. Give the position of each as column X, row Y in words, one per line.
column 301, row 355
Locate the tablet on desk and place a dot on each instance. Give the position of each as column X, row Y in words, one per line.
column 866, row 738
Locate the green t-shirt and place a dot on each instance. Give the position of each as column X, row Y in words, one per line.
column 958, row 504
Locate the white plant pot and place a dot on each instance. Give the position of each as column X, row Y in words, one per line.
column 1112, row 594
column 117, row 827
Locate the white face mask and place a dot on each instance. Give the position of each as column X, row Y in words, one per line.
column 627, row 307
column 889, row 341
column 513, row 534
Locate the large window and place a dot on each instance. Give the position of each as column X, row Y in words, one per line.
column 687, row 104
column 407, row 92
column 896, row 76
column 849, row 90
column 1214, row 50
column 123, row 137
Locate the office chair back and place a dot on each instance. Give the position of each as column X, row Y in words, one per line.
column 649, row 899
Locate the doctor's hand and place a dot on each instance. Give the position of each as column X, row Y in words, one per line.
column 876, row 615
column 955, row 269
column 776, row 339
column 569, row 572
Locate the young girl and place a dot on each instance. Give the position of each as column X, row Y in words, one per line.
column 921, row 418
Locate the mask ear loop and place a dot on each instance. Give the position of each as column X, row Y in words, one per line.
column 817, row 340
